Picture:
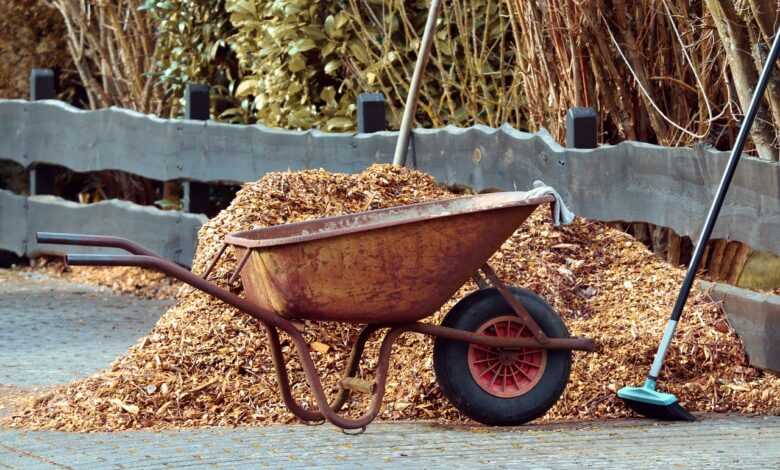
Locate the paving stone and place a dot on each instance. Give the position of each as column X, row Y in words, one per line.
column 732, row 442
column 54, row 331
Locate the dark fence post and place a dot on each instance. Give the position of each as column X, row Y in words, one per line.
column 42, row 87
column 371, row 113
column 195, row 197
column 196, row 99
column 581, row 128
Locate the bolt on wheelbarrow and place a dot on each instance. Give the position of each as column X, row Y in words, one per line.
column 502, row 355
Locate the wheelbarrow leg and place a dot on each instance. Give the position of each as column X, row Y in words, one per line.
column 352, row 364
column 284, row 381
column 315, row 384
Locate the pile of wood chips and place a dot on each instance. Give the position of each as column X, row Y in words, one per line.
column 122, row 279
column 207, row 364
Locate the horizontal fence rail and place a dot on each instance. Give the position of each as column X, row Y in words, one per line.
column 171, row 234
column 754, row 316
column 632, row 181
column 162, row 149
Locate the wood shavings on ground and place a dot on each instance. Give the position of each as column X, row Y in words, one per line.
column 10, row 396
column 123, row 279
column 206, row 364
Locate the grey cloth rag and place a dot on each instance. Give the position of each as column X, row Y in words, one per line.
column 561, row 214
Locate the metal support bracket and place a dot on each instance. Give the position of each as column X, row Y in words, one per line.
column 518, row 308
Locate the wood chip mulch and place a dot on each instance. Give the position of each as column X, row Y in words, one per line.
column 122, row 280
column 206, row 364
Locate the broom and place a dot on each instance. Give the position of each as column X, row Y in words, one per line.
column 645, row 400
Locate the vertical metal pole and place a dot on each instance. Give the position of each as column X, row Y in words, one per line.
column 399, row 158
column 186, row 196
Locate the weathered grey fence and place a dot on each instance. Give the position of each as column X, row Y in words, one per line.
column 172, row 234
column 632, row 181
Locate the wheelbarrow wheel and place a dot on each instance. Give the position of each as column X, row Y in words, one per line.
column 494, row 386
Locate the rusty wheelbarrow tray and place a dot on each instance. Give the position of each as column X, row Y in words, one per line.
column 384, row 269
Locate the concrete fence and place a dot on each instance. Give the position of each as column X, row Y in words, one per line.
column 631, row 181
column 169, row 233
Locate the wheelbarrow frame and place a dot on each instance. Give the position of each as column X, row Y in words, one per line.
column 143, row 258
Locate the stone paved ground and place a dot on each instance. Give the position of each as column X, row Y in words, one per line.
column 712, row 443
column 53, row 332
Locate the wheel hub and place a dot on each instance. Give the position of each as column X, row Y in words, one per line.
column 501, row 372
column 506, row 357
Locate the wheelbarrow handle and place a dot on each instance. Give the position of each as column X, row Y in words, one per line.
column 103, row 260
column 93, row 240
column 185, row 275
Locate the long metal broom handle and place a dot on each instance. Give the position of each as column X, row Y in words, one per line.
column 399, row 158
column 720, row 195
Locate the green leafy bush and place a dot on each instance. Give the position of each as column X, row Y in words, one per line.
column 302, row 63
column 306, row 61
column 291, row 53
column 192, row 48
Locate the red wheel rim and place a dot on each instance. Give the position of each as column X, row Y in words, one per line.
column 501, row 372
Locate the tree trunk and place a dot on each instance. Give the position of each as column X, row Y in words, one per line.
column 760, row 51
column 616, row 99
column 740, row 259
column 705, row 258
column 736, row 41
column 673, row 255
column 659, row 240
column 638, row 62
column 728, row 260
column 641, row 232
column 765, row 13
column 716, row 258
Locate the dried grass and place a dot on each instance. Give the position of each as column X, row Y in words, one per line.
column 661, row 71
column 113, row 45
column 207, row 364
column 31, row 36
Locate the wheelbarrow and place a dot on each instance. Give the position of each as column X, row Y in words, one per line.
column 502, row 355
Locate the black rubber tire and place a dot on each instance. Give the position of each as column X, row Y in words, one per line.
column 450, row 361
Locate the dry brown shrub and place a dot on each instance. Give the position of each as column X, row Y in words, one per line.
column 31, row 36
